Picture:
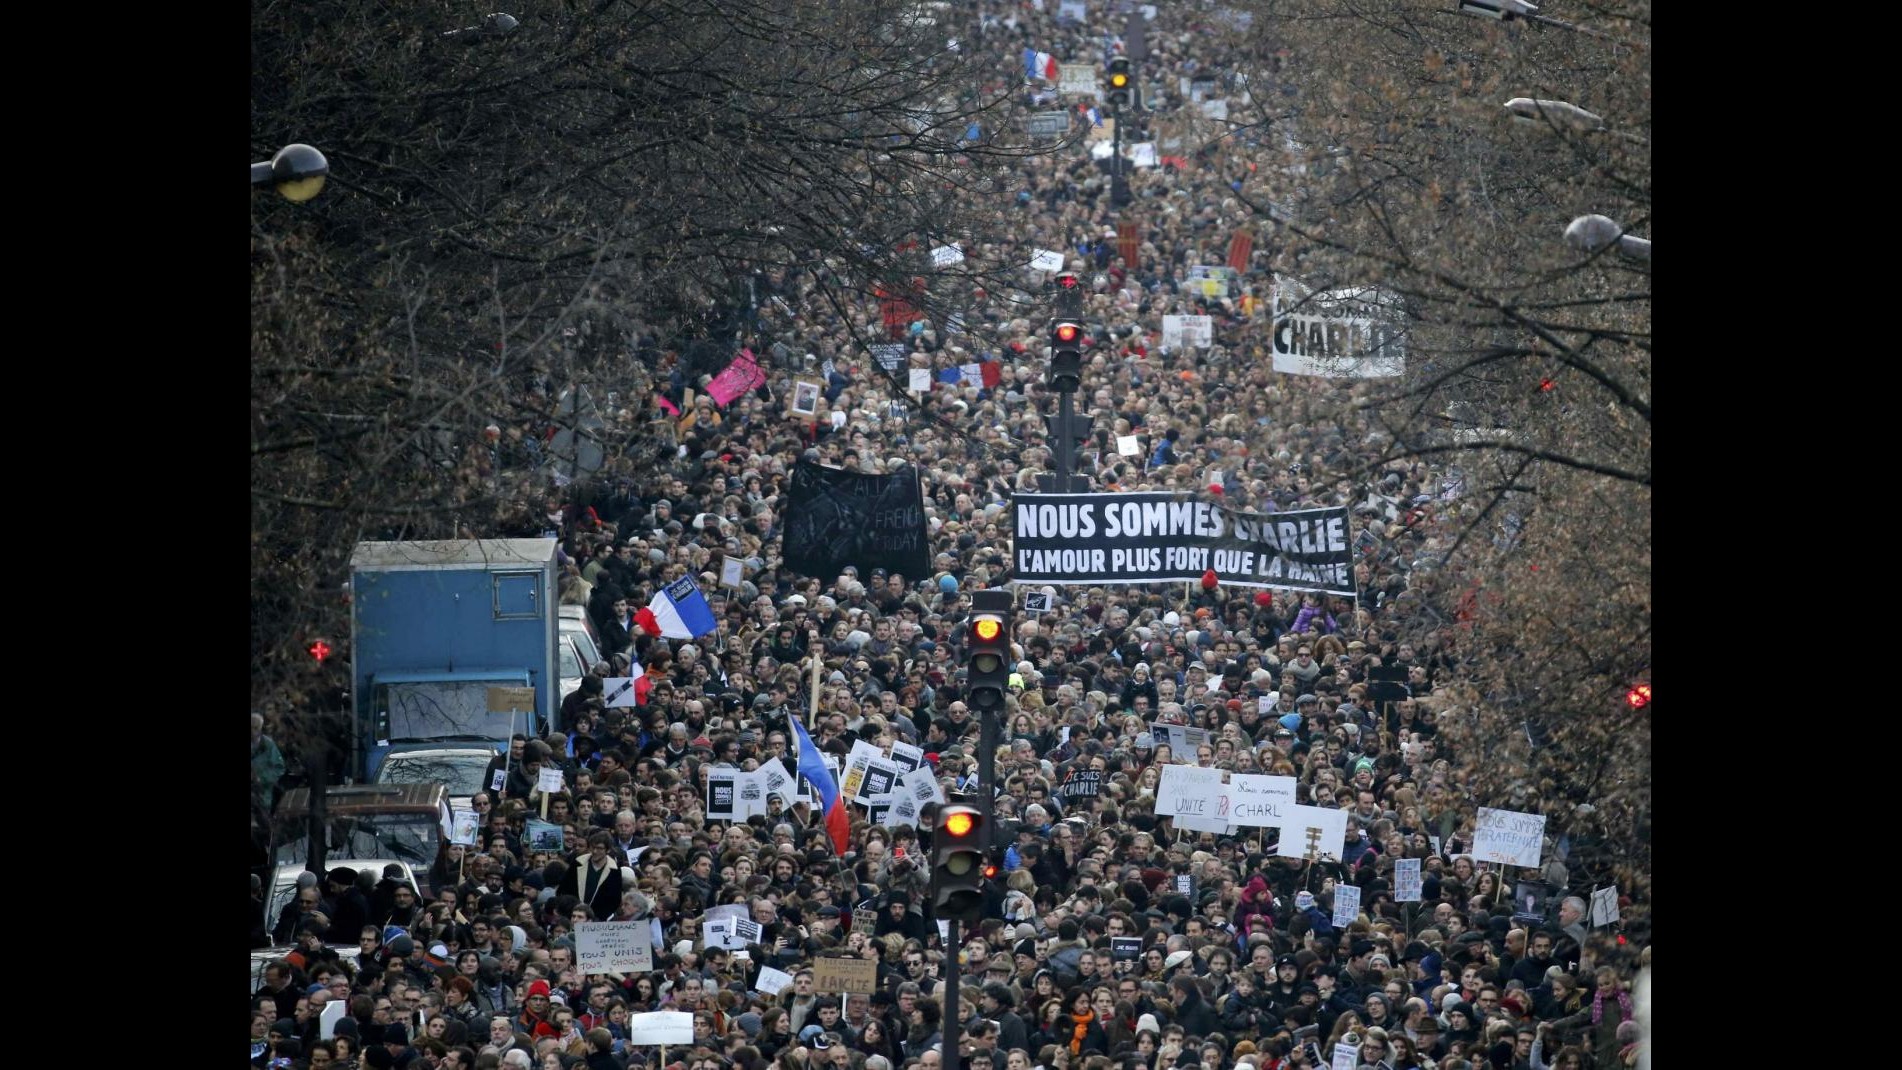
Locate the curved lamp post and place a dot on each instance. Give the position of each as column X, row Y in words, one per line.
column 298, row 172
column 1592, row 233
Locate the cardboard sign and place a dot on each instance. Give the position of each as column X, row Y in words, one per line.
column 1256, row 801
column 849, row 975
column 1406, row 880
column 906, row 757
column 1128, row 446
column 660, row 1027
column 464, row 830
column 731, row 934
column 617, row 692
column 771, row 982
column 1077, row 78
column 614, row 946
column 1604, row 905
column 543, row 837
column 511, row 699
column 332, row 1014
column 874, row 780
column 550, row 781
column 1508, row 838
column 865, row 920
column 723, row 795
column 1346, row 904
column 922, row 785
column 1193, row 797
column 1314, row 830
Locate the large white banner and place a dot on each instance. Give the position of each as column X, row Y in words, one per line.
column 1508, row 837
column 660, row 1027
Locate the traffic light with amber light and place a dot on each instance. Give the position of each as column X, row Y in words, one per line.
column 1121, row 84
column 989, row 665
column 957, row 864
column 1066, row 355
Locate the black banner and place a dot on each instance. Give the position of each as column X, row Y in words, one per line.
column 1081, row 785
column 837, row 518
column 1158, row 537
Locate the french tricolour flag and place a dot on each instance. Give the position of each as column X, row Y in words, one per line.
column 812, row 766
column 1091, row 113
column 679, row 611
column 1040, row 65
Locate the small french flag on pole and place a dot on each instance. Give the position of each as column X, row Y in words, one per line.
column 678, row 611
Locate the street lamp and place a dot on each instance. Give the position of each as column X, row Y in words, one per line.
column 1551, row 114
column 1592, row 233
column 298, row 172
column 1505, row 10
column 497, row 24
column 1557, row 112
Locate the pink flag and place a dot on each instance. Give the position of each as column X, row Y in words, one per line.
column 740, row 376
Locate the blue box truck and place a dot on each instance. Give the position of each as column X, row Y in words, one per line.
column 452, row 643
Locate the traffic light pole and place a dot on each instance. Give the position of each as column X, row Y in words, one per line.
column 1066, row 440
column 953, row 1030
column 1119, row 183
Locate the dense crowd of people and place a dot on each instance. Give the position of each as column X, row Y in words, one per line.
column 1242, row 964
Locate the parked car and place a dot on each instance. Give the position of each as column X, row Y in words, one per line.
column 366, row 822
column 264, row 956
column 284, row 882
column 459, row 769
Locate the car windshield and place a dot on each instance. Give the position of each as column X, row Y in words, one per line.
column 570, row 664
column 462, row 775
column 409, row 837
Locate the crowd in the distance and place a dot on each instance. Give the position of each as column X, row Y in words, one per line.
column 1241, row 963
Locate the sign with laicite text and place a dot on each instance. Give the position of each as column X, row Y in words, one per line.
column 845, row 975
column 1313, row 832
column 1508, row 838
column 614, row 946
column 1158, row 538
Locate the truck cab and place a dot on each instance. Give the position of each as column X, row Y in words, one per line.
column 453, row 642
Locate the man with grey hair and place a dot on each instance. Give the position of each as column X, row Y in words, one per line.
column 1572, row 914
column 517, row 1059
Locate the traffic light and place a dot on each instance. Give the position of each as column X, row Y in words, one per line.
column 320, row 650
column 1120, row 82
column 1639, row 696
column 1066, row 355
column 957, row 864
column 989, row 677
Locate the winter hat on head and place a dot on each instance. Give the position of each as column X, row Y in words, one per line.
column 1291, row 721
column 1303, row 900
column 537, row 987
column 750, row 1024
column 1148, row 1021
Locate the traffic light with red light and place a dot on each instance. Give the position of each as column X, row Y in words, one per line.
column 320, row 650
column 988, row 678
column 1066, row 355
column 1639, row 696
column 957, row 864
